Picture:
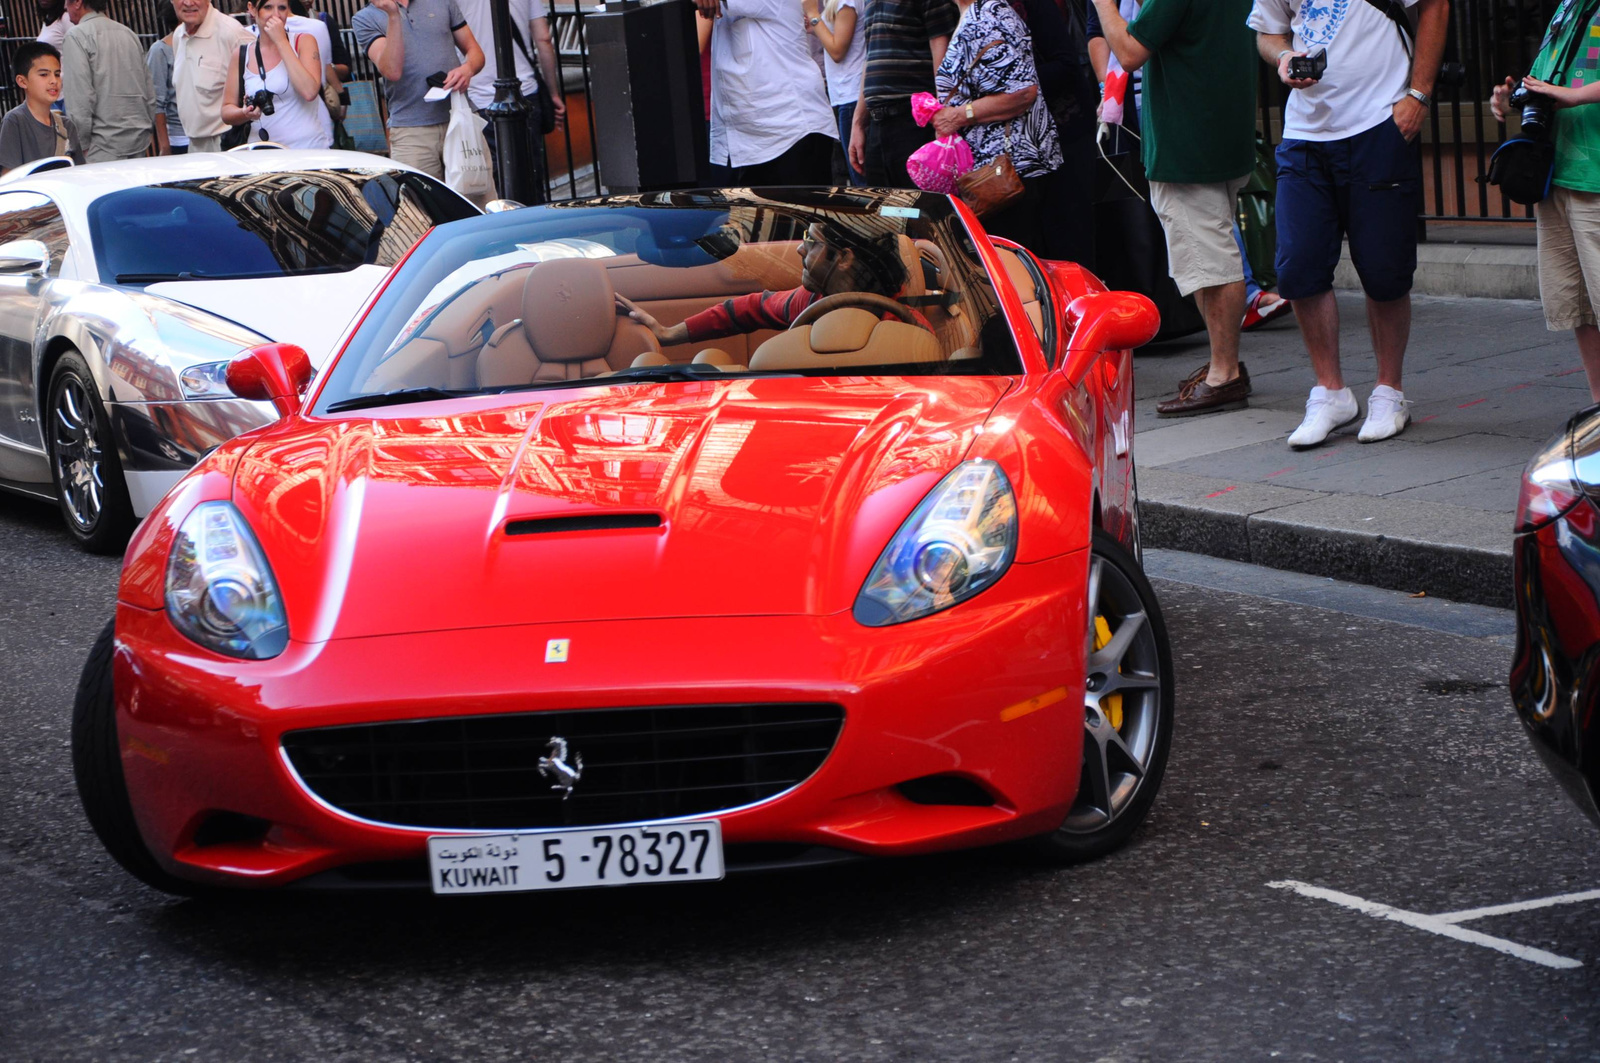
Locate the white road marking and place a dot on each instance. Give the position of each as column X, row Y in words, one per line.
column 1431, row 923
column 1520, row 906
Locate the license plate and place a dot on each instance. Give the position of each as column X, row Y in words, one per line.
column 573, row 859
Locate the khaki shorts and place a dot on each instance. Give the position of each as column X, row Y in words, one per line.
column 1569, row 258
column 198, row 144
column 1198, row 221
column 421, row 146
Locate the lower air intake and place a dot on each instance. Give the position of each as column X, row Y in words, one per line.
column 483, row 772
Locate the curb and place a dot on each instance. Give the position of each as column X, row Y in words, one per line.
column 1279, row 538
column 1478, row 271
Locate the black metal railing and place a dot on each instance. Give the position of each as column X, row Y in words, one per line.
column 1489, row 41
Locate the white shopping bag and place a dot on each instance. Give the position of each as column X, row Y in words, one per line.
column 466, row 153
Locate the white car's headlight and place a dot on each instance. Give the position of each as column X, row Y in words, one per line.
column 208, row 380
column 958, row 542
column 220, row 590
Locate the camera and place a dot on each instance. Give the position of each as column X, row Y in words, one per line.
column 1309, row 67
column 1537, row 113
column 261, row 100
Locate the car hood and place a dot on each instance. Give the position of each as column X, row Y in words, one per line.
column 310, row 310
column 739, row 497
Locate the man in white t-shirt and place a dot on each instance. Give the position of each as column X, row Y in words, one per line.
column 770, row 119
column 1348, row 166
column 530, row 41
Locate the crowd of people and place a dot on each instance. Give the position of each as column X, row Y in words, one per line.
column 793, row 85
column 93, row 92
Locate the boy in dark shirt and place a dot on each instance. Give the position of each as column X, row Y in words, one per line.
column 31, row 130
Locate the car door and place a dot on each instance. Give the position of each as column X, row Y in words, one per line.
column 24, row 216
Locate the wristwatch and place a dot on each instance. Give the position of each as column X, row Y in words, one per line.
column 812, row 21
column 1421, row 97
column 969, row 112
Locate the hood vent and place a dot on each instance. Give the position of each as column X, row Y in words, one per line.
column 587, row 522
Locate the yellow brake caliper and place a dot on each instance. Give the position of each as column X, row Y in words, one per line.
column 1111, row 704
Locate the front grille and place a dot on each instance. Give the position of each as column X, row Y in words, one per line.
column 482, row 772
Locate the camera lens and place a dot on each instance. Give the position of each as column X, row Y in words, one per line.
column 1536, row 112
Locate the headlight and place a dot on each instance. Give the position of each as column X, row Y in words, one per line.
column 958, row 542
column 209, row 380
column 220, row 590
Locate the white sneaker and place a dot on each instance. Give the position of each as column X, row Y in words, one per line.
column 1388, row 413
column 1325, row 411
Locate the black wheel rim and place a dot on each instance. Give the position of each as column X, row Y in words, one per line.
column 75, row 448
column 1122, row 701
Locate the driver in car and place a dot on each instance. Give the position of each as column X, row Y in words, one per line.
column 833, row 259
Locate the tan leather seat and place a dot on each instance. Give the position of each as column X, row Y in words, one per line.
column 844, row 337
column 569, row 329
column 1023, row 282
column 721, row 359
column 649, row 358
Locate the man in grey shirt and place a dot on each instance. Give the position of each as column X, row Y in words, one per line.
column 408, row 42
column 107, row 85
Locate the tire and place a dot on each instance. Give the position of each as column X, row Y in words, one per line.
column 1127, row 711
column 90, row 488
column 97, row 769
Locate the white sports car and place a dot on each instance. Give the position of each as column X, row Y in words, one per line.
column 126, row 287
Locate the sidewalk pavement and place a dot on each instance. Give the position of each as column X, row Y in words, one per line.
column 1429, row 510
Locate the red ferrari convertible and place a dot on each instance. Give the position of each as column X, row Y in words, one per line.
column 644, row 539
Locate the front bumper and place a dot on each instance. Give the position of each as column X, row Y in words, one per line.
column 1557, row 659
column 987, row 692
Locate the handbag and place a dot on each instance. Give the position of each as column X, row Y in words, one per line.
column 466, row 153
column 994, row 186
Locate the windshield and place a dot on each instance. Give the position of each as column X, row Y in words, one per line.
column 681, row 285
column 266, row 224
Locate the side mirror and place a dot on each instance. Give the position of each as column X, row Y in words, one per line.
column 274, row 372
column 1107, row 321
column 24, row 257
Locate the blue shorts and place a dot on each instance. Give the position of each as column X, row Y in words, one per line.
column 1368, row 186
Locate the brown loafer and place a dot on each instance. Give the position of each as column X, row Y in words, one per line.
column 1197, row 397
column 1200, row 374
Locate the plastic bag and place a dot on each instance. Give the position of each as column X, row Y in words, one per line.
column 924, row 105
column 934, row 167
column 466, row 153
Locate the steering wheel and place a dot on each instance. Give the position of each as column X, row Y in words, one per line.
column 881, row 304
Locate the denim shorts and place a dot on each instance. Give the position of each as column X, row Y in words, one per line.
column 1367, row 187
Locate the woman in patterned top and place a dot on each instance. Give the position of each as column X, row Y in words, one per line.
column 990, row 88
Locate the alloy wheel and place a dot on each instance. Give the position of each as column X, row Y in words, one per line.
column 1122, row 701
column 75, row 448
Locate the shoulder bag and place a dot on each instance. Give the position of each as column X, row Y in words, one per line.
column 547, row 102
column 990, row 188
column 1523, row 167
column 235, row 135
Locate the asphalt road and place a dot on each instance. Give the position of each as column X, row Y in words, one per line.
column 1346, row 738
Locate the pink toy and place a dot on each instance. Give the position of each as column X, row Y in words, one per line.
column 934, row 167
column 924, row 105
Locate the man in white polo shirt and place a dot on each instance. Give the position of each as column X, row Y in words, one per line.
column 1347, row 166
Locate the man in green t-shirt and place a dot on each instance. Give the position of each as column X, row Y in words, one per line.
column 1569, row 217
column 1199, row 123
